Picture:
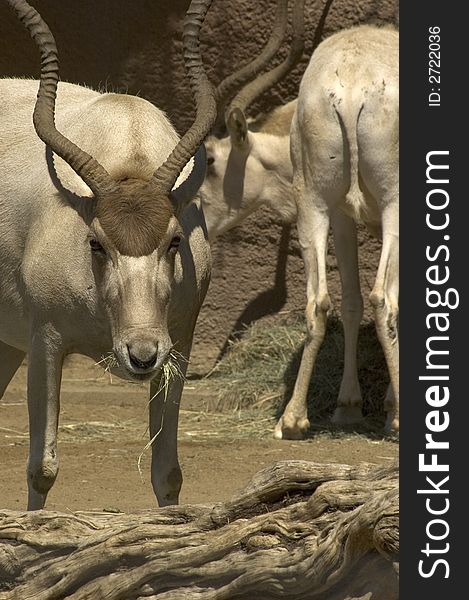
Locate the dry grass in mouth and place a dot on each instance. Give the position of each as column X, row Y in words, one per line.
column 108, row 362
column 170, row 371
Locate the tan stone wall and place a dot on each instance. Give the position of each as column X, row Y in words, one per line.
column 135, row 46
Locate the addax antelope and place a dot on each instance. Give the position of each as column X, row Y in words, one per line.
column 102, row 249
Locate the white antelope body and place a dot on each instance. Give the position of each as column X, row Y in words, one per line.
column 345, row 154
column 344, row 148
column 97, row 254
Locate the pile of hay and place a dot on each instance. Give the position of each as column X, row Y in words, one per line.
column 260, row 367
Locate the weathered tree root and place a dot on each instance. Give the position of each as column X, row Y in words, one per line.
column 299, row 530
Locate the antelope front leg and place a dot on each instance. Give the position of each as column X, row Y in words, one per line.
column 349, row 402
column 44, row 376
column 166, row 476
column 313, row 228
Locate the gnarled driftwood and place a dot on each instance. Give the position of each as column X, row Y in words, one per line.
column 299, row 530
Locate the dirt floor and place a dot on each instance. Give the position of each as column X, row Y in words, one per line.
column 103, row 431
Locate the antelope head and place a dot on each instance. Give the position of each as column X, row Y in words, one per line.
column 243, row 167
column 135, row 233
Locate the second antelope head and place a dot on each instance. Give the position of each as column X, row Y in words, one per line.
column 248, row 166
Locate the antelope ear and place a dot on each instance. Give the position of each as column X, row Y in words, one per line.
column 237, row 127
column 185, row 192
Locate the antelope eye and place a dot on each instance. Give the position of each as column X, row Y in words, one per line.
column 210, row 160
column 96, row 246
column 174, row 244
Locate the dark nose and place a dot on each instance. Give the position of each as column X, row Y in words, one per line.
column 143, row 356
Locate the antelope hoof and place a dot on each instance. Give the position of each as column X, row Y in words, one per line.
column 391, row 427
column 41, row 478
column 291, row 428
column 347, row 415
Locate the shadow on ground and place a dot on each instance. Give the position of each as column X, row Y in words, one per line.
column 259, row 371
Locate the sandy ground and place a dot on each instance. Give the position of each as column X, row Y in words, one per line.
column 103, row 431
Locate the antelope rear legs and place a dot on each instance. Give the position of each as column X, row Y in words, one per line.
column 313, row 229
column 385, row 300
column 349, row 402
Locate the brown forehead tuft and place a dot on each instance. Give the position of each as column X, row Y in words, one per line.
column 135, row 217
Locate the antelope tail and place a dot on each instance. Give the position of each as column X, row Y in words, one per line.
column 349, row 121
